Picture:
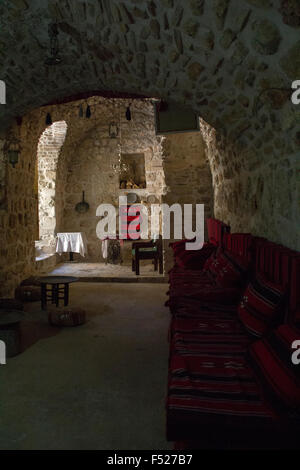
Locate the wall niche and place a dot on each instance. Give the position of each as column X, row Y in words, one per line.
column 134, row 175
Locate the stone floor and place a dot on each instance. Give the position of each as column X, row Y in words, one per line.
column 108, row 272
column 101, row 385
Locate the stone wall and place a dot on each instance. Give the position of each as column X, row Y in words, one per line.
column 256, row 190
column 214, row 55
column 3, row 196
column 18, row 222
column 188, row 176
column 84, row 162
column 88, row 156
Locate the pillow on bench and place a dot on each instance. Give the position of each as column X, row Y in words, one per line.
column 272, row 360
column 235, row 271
column 260, row 306
column 215, row 263
column 229, row 270
column 194, row 259
column 217, row 295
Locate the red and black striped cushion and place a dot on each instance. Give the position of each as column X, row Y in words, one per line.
column 208, row 382
column 179, row 246
column 235, row 271
column 209, row 261
column 272, row 357
column 205, row 292
column 260, row 305
column 189, row 307
column 216, row 263
column 194, row 259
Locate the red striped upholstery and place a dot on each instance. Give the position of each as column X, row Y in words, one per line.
column 241, row 244
column 194, row 259
column 260, row 305
column 235, row 271
column 215, row 386
column 273, row 360
column 217, row 264
column 280, row 265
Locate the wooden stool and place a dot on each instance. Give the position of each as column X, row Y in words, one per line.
column 59, row 289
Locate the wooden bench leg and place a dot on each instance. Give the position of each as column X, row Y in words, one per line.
column 155, row 263
column 53, row 296
column 66, row 294
column 56, row 294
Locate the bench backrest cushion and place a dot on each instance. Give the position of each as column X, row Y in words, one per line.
column 272, row 358
column 261, row 305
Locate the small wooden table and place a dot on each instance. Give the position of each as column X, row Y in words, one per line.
column 59, row 285
column 10, row 330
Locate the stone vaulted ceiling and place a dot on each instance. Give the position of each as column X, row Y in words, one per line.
column 214, row 55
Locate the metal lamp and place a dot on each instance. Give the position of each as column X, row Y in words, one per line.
column 13, row 157
column 13, row 151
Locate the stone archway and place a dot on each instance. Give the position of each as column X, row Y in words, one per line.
column 49, row 148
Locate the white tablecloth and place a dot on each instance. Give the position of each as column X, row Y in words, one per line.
column 74, row 242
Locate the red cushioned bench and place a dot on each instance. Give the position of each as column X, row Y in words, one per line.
column 221, row 391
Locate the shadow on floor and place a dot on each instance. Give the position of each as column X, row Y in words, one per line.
column 35, row 328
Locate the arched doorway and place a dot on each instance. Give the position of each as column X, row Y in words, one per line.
column 49, row 148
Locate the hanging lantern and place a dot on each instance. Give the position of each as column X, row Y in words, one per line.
column 13, row 157
column 48, row 119
column 12, row 150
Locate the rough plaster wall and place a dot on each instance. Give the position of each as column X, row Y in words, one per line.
column 19, row 221
column 49, row 148
column 87, row 158
column 255, row 192
column 188, row 176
